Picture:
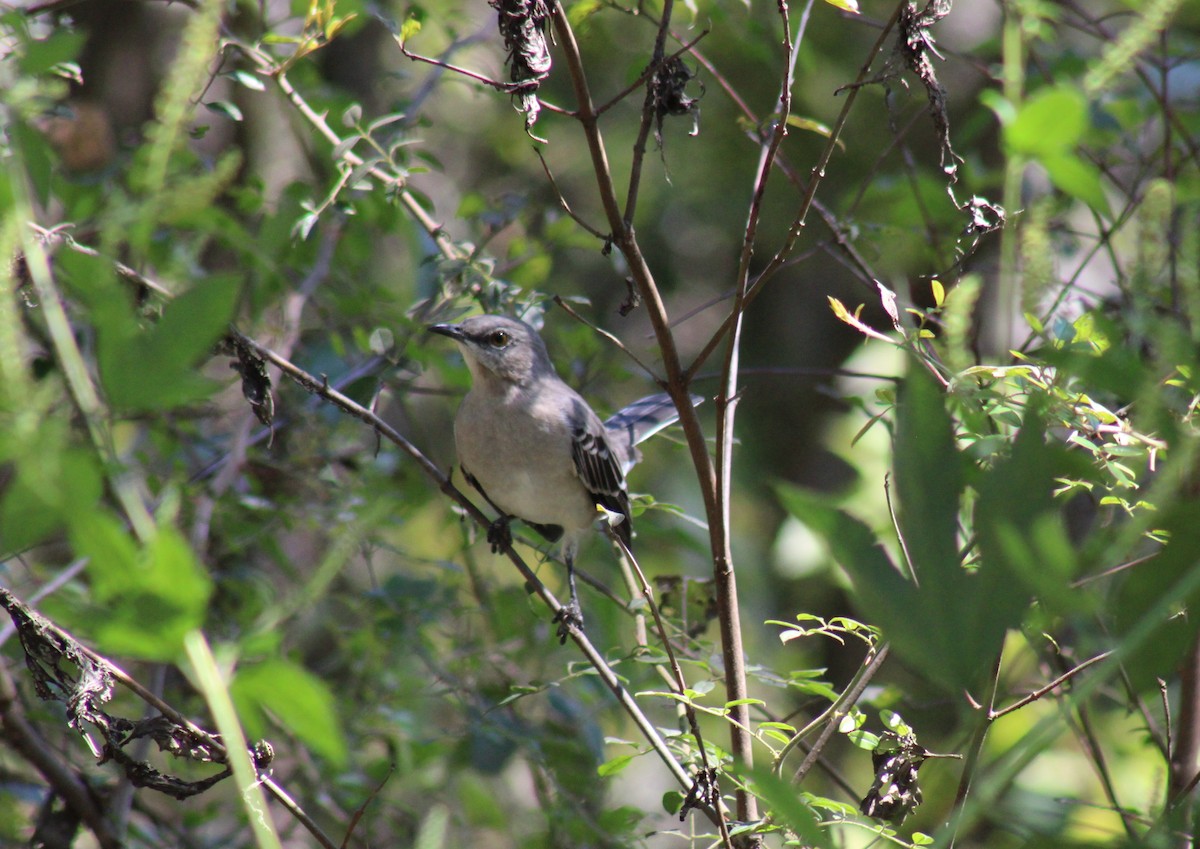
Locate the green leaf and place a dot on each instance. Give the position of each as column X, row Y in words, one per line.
column 62, row 45
column 225, row 108
column 928, row 478
column 1078, row 178
column 156, row 368
column 34, row 154
column 880, row 588
column 1021, row 532
column 812, row 125
column 152, row 596
column 1050, row 122
column 249, row 80
column 479, row 803
column 410, row 27
column 51, row 485
column 299, row 700
column 620, row 820
column 951, row 626
column 614, row 766
column 863, row 739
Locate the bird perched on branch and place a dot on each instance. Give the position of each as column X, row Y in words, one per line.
column 535, row 450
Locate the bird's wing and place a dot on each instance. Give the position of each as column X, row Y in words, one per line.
column 598, row 467
column 640, row 421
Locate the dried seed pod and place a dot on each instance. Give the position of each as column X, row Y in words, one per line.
column 894, row 793
column 523, row 26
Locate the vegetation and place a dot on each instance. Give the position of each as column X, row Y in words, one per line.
column 921, row 570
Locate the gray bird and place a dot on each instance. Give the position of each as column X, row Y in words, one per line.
column 535, row 450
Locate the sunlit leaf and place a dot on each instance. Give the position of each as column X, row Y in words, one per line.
column 1050, row 122
column 296, row 698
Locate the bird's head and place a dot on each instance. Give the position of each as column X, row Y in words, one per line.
column 498, row 348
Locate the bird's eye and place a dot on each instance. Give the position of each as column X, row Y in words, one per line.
column 499, row 339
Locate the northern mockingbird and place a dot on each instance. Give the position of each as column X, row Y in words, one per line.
column 535, row 450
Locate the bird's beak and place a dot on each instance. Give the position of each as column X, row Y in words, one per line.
column 454, row 331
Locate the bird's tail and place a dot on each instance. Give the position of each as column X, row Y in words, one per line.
column 640, row 421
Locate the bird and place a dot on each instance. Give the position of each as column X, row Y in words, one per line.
column 536, row 451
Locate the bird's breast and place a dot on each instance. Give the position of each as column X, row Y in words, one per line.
column 523, row 461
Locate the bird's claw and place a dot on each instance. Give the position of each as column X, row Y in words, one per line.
column 569, row 617
column 499, row 534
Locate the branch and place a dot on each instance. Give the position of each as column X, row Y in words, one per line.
column 393, row 182
column 798, row 223
column 1048, row 688
column 704, row 792
column 677, row 384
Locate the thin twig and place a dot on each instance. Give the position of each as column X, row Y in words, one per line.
column 499, row 85
column 829, row 720
column 610, row 337
column 798, row 222
column 974, row 752
column 1049, row 688
column 390, row 181
column 908, row 561
column 563, row 201
column 680, row 682
column 66, row 575
column 649, row 72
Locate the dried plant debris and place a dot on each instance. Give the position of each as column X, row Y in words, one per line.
column 915, row 50
column 523, row 27
column 256, row 383
column 668, row 93
column 705, row 791
column 894, row 793
column 916, row 46
column 64, row 671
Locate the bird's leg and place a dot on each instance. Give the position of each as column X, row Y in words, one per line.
column 499, row 533
column 569, row 615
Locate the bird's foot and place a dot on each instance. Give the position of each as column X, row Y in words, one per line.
column 499, row 534
column 569, row 617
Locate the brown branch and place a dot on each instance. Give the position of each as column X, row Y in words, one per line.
column 562, row 201
column 807, row 202
column 499, row 85
column 1185, row 747
column 829, row 720
column 1048, row 688
column 649, row 108
column 677, row 384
